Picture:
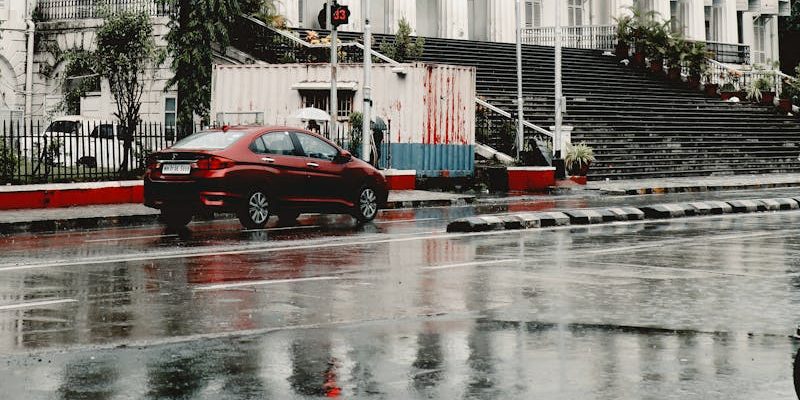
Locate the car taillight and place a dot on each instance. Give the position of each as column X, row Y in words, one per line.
column 152, row 162
column 214, row 163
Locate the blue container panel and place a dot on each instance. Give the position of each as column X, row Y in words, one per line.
column 430, row 159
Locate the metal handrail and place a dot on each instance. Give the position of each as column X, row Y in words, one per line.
column 302, row 42
column 506, row 114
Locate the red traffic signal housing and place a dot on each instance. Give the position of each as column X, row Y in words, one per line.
column 340, row 15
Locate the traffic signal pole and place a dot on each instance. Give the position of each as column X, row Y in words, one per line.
column 334, row 100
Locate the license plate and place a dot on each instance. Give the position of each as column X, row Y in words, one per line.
column 176, row 169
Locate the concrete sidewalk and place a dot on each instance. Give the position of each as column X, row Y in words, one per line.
column 100, row 216
column 694, row 184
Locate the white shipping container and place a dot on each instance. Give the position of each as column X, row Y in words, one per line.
column 429, row 108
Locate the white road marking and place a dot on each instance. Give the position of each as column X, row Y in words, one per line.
column 124, row 238
column 32, row 304
column 669, row 242
column 266, row 282
column 407, row 220
column 471, row 264
column 348, row 242
column 285, row 228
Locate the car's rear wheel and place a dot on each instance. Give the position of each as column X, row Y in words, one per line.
column 255, row 211
column 176, row 217
column 366, row 207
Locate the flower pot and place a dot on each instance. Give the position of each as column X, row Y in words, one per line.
column 638, row 59
column 767, row 98
column 674, row 73
column 622, row 50
column 693, row 82
column 785, row 105
column 657, row 67
column 574, row 170
column 711, row 89
column 727, row 95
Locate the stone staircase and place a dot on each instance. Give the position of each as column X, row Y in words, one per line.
column 640, row 126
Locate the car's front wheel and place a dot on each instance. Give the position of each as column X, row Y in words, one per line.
column 255, row 211
column 366, row 207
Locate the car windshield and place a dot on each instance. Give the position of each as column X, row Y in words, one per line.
column 209, row 140
column 70, row 127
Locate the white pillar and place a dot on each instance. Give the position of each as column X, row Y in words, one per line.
column 663, row 9
column 405, row 9
column 454, row 16
column 499, row 14
column 730, row 23
column 696, row 20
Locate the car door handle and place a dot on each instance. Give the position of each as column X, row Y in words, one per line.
column 268, row 160
column 313, row 165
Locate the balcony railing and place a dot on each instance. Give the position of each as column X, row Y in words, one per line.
column 604, row 37
column 52, row 10
column 601, row 37
column 729, row 52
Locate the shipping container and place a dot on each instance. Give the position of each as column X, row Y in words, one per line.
column 428, row 109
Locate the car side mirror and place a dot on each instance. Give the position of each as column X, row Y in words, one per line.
column 344, row 157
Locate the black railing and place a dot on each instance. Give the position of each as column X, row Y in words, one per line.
column 69, row 152
column 730, row 53
column 264, row 44
column 51, row 10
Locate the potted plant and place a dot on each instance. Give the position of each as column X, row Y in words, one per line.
column 624, row 36
column 656, row 45
column 785, row 99
column 730, row 87
column 695, row 59
column 709, row 88
column 578, row 158
column 761, row 91
column 676, row 53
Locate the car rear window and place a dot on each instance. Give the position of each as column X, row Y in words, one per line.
column 209, row 140
column 63, row 127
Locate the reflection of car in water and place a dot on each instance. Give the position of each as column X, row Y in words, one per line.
column 75, row 140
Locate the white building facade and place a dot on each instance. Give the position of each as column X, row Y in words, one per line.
column 751, row 23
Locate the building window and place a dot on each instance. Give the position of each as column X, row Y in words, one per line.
column 760, row 40
column 533, row 13
column 321, row 98
column 713, row 19
column 575, row 11
column 170, row 107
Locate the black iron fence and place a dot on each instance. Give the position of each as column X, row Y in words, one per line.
column 731, row 53
column 71, row 151
column 74, row 9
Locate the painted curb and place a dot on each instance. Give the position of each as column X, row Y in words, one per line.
column 612, row 214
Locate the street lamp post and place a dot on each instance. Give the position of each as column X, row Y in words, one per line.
column 558, row 161
column 367, row 117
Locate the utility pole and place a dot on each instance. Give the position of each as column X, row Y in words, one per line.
column 334, row 101
column 558, row 160
column 520, row 106
column 366, row 136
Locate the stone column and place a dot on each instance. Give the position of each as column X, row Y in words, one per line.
column 730, row 23
column 501, row 17
column 454, row 22
column 404, row 9
column 663, row 9
column 696, row 20
column 618, row 8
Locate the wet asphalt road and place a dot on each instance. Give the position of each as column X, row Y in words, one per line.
column 697, row 308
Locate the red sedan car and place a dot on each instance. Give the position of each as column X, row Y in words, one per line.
column 257, row 172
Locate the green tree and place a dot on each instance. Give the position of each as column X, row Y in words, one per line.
column 194, row 26
column 793, row 21
column 79, row 78
column 402, row 48
column 125, row 52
